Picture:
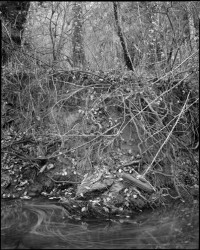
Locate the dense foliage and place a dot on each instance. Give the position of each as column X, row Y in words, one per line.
column 77, row 122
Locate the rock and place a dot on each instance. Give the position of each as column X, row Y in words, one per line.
column 94, row 182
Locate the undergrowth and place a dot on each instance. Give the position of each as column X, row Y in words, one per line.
column 82, row 115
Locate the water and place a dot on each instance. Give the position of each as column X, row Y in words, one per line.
column 41, row 224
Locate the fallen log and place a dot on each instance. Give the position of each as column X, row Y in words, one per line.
column 138, row 182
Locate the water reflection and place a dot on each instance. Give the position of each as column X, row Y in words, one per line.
column 43, row 225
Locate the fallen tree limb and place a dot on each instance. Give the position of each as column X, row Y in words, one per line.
column 141, row 183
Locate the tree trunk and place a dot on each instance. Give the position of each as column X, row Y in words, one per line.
column 77, row 39
column 127, row 58
column 192, row 29
column 13, row 15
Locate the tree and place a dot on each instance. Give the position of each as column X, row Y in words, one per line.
column 77, row 39
column 127, row 58
column 13, row 15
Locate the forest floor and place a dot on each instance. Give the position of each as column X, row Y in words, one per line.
column 86, row 148
column 112, row 188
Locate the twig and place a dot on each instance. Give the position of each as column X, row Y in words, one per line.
column 102, row 134
column 179, row 116
column 70, row 182
column 135, row 162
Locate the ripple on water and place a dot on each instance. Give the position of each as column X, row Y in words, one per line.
column 42, row 225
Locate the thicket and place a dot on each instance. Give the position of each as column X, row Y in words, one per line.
column 72, row 112
column 82, row 114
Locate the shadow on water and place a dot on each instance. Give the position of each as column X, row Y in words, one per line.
column 44, row 224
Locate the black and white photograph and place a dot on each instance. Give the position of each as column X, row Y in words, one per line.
column 99, row 124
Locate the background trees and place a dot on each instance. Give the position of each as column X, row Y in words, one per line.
column 157, row 36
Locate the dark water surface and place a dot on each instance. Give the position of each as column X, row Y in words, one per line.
column 37, row 224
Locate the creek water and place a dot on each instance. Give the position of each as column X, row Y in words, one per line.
column 44, row 224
